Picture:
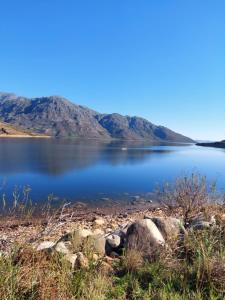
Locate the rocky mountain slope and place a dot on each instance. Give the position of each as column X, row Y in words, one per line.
column 56, row 116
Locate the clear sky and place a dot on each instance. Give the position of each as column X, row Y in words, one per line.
column 160, row 59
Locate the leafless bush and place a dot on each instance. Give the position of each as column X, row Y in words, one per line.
column 189, row 193
column 54, row 220
column 19, row 204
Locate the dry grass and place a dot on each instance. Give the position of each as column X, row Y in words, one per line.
column 132, row 260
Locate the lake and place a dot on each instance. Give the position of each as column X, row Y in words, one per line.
column 80, row 170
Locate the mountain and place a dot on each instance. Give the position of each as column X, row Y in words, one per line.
column 56, row 116
column 7, row 130
column 215, row 144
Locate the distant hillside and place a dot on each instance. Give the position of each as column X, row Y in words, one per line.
column 7, row 130
column 56, row 116
column 215, row 144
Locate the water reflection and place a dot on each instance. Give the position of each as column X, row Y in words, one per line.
column 87, row 169
column 58, row 156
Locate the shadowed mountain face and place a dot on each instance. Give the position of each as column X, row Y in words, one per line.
column 56, row 116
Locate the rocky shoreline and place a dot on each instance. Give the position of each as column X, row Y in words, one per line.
column 115, row 253
column 80, row 216
column 111, row 229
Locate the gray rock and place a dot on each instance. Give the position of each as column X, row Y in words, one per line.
column 97, row 244
column 170, row 227
column 78, row 234
column 113, row 241
column 71, row 258
column 61, row 248
column 114, row 254
column 122, row 231
column 201, row 225
column 144, row 236
column 202, row 222
column 46, row 245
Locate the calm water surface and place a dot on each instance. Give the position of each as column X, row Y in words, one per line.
column 79, row 170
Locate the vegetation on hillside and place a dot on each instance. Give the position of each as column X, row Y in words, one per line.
column 8, row 130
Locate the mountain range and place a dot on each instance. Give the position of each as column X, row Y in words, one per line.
column 58, row 117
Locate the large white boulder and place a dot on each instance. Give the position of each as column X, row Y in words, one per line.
column 170, row 227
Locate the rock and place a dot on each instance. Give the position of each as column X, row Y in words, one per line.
column 71, row 258
column 77, row 234
column 83, row 233
column 213, row 220
column 113, row 254
column 80, row 204
column 81, row 261
column 122, row 231
column 61, row 248
column 105, row 199
column 222, row 217
column 124, row 215
column 99, row 221
column 113, row 241
column 201, row 222
column 170, row 227
column 46, row 245
column 97, row 244
column 201, row 225
column 144, row 236
column 105, row 268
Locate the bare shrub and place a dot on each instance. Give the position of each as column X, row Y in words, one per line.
column 54, row 219
column 189, row 193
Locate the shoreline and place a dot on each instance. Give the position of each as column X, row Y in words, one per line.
column 20, row 230
column 23, row 136
column 212, row 145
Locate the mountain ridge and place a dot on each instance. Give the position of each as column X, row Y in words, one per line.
column 220, row 144
column 57, row 116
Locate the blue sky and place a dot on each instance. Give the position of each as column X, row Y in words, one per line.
column 160, row 59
